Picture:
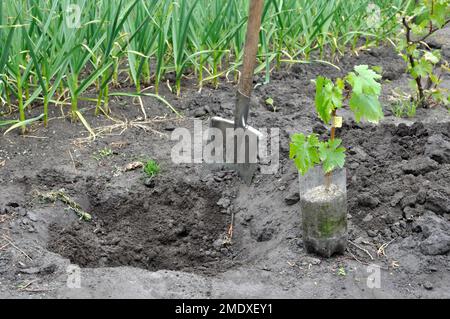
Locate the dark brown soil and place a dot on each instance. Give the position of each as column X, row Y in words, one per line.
column 396, row 175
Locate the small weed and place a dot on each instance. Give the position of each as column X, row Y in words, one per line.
column 411, row 109
column 151, row 168
column 270, row 105
column 403, row 105
column 341, row 272
column 404, row 108
column 397, row 108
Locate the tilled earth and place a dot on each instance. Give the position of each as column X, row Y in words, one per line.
column 169, row 236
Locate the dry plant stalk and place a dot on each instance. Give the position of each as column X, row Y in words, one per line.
column 61, row 196
column 121, row 126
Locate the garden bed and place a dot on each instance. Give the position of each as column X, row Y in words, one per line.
column 398, row 189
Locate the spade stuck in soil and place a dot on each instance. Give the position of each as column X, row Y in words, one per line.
column 236, row 132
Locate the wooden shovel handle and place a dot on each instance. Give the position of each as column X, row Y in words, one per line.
column 251, row 46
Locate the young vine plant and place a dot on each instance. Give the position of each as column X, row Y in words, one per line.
column 362, row 90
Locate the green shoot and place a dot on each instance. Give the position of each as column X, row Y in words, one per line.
column 270, row 104
column 404, row 108
column 328, row 97
column 398, row 109
column 103, row 153
column 411, row 108
column 341, row 271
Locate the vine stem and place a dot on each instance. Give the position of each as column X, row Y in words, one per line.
column 411, row 59
column 329, row 175
column 412, row 62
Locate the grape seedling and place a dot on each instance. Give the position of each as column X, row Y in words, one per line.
column 363, row 94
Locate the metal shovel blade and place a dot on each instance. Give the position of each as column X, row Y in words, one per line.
column 240, row 147
column 240, row 142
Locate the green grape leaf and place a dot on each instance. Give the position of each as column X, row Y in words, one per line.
column 422, row 68
column 364, row 81
column 365, row 92
column 419, row 10
column 419, row 29
column 366, row 107
column 328, row 97
column 435, row 79
column 439, row 13
column 340, row 83
column 304, row 151
column 446, row 100
column 269, row 101
column 332, row 155
column 432, row 57
column 324, row 106
column 336, row 96
column 378, row 69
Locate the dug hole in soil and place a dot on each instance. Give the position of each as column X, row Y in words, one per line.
column 166, row 237
column 170, row 227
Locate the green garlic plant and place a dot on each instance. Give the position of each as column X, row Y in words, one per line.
column 363, row 99
column 54, row 58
